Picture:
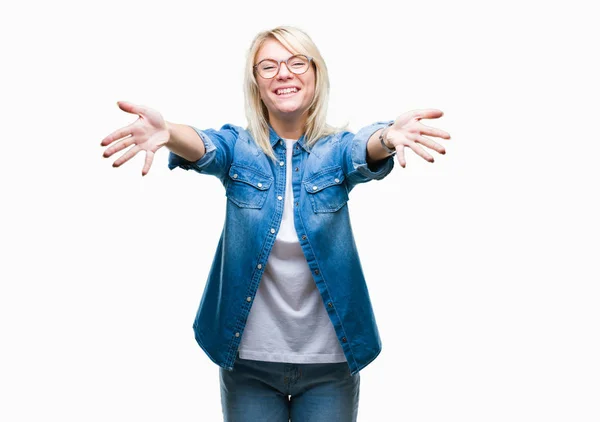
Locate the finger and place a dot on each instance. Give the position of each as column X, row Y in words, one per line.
column 428, row 130
column 127, row 156
column 400, row 156
column 430, row 144
column 117, row 134
column 147, row 162
column 420, row 152
column 132, row 108
column 119, row 146
column 428, row 113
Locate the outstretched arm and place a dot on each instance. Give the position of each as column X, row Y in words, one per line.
column 185, row 142
column 407, row 131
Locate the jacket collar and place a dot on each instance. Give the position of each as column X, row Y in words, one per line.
column 274, row 138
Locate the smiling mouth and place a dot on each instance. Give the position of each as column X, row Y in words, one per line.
column 286, row 92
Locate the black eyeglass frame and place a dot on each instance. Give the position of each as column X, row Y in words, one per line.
column 310, row 60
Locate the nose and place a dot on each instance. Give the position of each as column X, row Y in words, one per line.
column 284, row 74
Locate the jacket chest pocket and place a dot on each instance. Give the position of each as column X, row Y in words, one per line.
column 248, row 188
column 327, row 190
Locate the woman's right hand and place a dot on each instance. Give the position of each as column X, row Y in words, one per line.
column 148, row 133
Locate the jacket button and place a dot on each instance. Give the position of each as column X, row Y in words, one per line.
column 235, row 176
column 296, row 169
column 303, row 237
column 281, row 163
column 237, row 334
column 296, row 204
column 330, row 305
column 317, row 272
column 315, row 188
column 259, row 185
column 280, row 197
column 259, row 266
column 337, row 180
column 249, row 299
column 344, row 339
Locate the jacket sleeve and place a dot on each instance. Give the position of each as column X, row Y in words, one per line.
column 219, row 146
column 354, row 157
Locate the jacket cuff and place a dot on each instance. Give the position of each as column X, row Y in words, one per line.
column 178, row 161
column 378, row 169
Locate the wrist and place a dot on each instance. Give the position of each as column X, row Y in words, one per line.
column 385, row 138
column 391, row 149
column 170, row 132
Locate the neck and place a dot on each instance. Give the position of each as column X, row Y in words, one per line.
column 289, row 128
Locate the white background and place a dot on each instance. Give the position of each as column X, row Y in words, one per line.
column 482, row 267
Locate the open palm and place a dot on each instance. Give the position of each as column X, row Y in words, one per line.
column 407, row 131
column 148, row 133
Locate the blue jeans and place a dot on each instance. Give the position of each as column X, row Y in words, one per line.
column 257, row 391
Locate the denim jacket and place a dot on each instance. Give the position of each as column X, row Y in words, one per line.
column 323, row 175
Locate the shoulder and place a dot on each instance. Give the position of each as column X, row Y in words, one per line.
column 332, row 139
column 229, row 134
column 241, row 134
column 229, row 130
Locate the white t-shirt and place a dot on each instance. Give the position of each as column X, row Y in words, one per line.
column 288, row 321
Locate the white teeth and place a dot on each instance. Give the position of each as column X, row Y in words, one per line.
column 286, row 91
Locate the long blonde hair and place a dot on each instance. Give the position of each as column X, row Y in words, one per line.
column 298, row 42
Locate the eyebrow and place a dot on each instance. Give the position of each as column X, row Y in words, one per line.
column 271, row 58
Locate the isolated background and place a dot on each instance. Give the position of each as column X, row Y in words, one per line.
column 482, row 267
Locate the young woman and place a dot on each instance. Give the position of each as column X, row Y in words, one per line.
column 285, row 312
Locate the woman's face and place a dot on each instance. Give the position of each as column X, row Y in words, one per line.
column 288, row 106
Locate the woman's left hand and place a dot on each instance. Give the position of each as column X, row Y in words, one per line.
column 408, row 131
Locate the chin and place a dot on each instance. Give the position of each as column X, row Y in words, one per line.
column 290, row 109
column 282, row 109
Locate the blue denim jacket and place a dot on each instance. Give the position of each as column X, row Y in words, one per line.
column 323, row 176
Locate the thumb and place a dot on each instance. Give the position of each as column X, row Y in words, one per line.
column 131, row 108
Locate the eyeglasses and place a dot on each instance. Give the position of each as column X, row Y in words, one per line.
column 297, row 64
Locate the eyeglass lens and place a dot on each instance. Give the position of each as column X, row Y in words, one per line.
column 296, row 64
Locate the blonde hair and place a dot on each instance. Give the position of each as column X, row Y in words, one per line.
column 298, row 42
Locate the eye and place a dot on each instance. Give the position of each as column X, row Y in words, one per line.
column 298, row 59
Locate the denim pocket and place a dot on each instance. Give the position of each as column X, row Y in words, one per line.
column 327, row 190
column 247, row 187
